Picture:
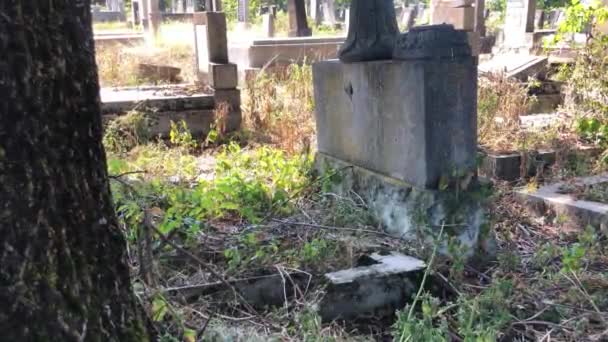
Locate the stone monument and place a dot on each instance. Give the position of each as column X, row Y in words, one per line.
column 400, row 121
column 212, row 65
column 519, row 25
column 372, row 31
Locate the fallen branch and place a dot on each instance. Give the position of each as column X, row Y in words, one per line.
column 207, row 267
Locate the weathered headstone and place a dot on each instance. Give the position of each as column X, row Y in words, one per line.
column 242, row 14
column 519, row 23
column 298, row 23
column 212, row 64
column 406, row 132
column 459, row 13
column 268, row 25
column 480, row 18
column 539, row 19
column 135, row 13
column 314, row 12
column 154, row 19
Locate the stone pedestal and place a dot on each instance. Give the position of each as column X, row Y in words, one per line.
column 411, row 120
column 212, row 65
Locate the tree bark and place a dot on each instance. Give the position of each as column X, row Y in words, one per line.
column 63, row 271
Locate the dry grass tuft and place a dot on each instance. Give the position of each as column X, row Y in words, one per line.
column 118, row 64
column 279, row 107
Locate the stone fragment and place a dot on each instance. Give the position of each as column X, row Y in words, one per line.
column 553, row 201
column 162, row 73
column 378, row 289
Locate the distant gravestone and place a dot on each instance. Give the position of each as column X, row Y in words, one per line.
column 539, row 19
column 408, row 16
column 268, row 25
column 298, row 24
column 519, row 20
column 242, row 14
column 314, row 12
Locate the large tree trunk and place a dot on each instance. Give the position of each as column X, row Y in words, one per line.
column 63, row 271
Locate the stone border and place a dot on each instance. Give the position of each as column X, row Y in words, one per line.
column 549, row 200
column 507, row 166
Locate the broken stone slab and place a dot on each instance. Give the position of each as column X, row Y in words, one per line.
column 552, row 201
column 386, row 284
column 259, row 291
column 518, row 66
column 156, row 72
column 163, row 98
column 508, row 166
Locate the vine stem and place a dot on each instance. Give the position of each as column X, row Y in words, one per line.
column 424, row 277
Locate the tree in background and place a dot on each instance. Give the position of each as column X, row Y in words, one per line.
column 63, row 273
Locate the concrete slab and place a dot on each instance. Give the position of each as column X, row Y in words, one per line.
column 519, row 66
column 386, row 265
column 378, row 289
column 125, row 39
column 550, row 200
column 259, row 53
column 508, row 166
column 164, row 98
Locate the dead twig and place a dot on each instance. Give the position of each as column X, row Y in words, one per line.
column 336, row 228
column 120, row 175
column 207, row 267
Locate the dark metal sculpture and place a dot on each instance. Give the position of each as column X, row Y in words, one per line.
column 372, row 31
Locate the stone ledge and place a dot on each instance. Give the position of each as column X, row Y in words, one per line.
column 580, row 213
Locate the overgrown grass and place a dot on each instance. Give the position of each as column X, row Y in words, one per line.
column 118, row 64
column 501, row 103
column 279, row 106
column 587, row 94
